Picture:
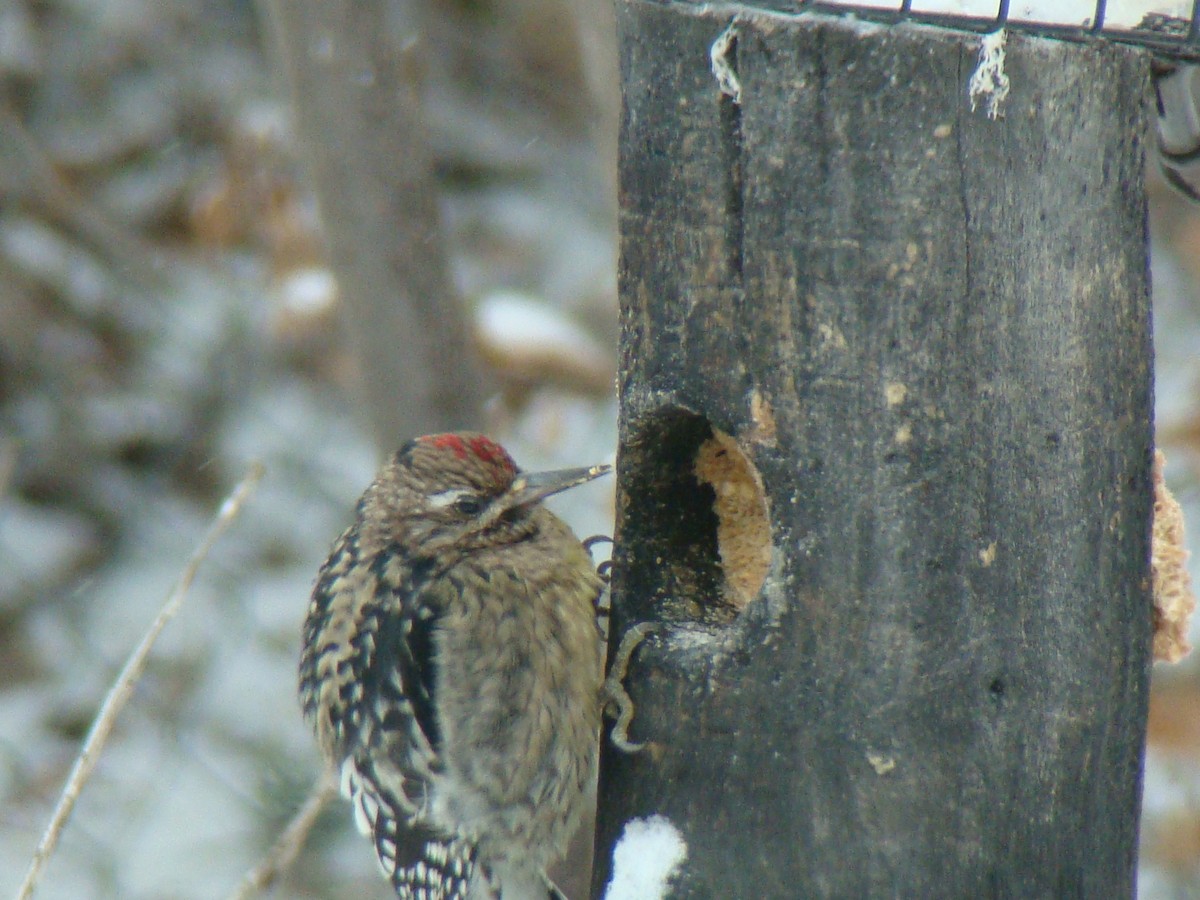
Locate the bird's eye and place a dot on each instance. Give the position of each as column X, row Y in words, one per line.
column 468, row 505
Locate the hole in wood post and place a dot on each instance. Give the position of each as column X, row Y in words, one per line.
column 696, row 538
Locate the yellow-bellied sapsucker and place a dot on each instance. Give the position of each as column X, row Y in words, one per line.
column 452, row 670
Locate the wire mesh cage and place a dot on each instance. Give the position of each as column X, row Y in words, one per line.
column 1169, row 27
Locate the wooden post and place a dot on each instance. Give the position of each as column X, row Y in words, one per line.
column 924, row 335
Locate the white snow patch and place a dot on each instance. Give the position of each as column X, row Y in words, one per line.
column 690, row 640
column 1122, row 15
column 517, row 320
column 988, row 80
column 1130, row 14
column 649, row 852
column 528, row 338
column 308, row 291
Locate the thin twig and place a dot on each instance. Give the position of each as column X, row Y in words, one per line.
column 284, row 851
column 122, row 689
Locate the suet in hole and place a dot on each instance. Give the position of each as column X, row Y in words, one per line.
column 695, row 535
column 743, row 529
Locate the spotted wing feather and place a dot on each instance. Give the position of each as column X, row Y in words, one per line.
column 367, row 682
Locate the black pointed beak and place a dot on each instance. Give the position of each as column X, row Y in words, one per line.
column 530, row 487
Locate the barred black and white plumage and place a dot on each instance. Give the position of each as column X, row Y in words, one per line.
column 451, row 671
column 420, row 862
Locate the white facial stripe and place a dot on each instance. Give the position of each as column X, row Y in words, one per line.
column 446, row 498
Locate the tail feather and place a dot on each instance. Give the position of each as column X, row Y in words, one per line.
column 420, row 862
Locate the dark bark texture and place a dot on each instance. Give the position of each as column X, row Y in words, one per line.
column 929, row 332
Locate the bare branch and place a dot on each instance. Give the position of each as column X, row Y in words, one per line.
column 119, row 693
column 283, row 853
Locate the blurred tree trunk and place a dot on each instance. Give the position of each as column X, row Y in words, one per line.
column 354, row 70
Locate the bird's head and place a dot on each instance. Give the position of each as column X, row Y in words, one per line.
column 458, row 489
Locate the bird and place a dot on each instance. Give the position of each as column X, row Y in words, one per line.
column 451, row 669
